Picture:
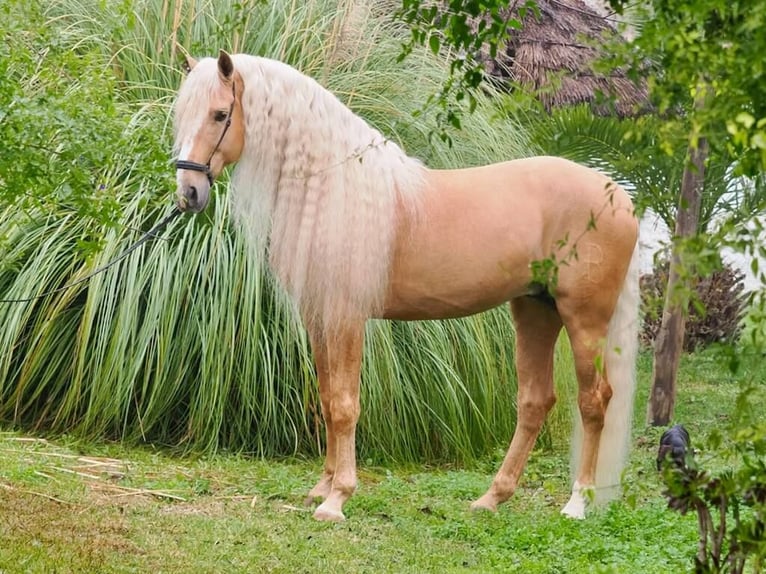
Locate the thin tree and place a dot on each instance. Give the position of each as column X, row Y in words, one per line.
column 670, row 338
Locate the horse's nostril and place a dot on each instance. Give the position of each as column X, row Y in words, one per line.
column 192, row 195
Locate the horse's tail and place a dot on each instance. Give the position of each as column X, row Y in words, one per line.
column 620, row 351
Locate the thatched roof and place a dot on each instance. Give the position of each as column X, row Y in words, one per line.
column 553, row 54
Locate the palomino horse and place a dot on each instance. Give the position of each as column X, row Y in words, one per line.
column 356, row 229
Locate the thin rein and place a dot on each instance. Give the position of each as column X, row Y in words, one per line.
column 152, row 233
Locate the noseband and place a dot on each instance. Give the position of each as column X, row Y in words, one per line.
column 205, row 167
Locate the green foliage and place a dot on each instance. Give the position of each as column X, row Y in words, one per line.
column 730, row 501
column 711, row 45
column 60, row 125
column 709, row 52
column 714, row 313
column 754, row 325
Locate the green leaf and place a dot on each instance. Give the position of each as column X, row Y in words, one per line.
column 433, row 42
column 745, row 119
column 758, row 140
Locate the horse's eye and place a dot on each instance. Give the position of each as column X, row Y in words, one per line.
column 220, row 116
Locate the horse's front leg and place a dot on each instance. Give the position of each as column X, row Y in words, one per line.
column 340, row 402
column 319, row 349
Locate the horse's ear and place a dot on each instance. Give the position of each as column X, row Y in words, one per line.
column 225, row 66
column 189, row 62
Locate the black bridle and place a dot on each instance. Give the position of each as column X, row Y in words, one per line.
column 205, row 167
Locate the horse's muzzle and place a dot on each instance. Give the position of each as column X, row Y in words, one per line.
column 192, row 198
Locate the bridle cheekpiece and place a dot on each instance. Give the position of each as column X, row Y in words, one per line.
column 205, row 167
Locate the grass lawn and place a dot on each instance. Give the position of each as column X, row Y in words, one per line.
column 71, row 507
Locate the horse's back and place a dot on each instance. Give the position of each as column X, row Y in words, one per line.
column 540, row 203
column 549, row 201
column 541, row 181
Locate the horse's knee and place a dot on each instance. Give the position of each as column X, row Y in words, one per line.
column 344, row 413
column 532, row 411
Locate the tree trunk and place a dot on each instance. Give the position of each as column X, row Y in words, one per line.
column 669, row 342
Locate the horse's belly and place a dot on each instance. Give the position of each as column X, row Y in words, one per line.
column 433, row 307
column 453, row 291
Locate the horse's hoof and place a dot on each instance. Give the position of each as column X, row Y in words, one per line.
column 328, row 515
column 574, row 509
column 484, row 504
column 310, row 500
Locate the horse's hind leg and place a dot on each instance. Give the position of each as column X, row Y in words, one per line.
column 587, row 327
column 537, row 327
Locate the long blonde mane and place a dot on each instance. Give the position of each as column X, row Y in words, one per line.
column 320, row 189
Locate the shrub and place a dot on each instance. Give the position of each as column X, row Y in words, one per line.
column 58, row 121
column 730, row 500
column 714, row 313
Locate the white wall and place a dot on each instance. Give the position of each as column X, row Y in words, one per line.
column 654, row 234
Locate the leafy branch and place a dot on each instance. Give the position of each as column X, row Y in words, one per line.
column 464, row 28
column 730, row 505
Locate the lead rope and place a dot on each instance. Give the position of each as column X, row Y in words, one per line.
column 152, row 233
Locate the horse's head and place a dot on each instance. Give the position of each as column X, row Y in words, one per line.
column 209, row 127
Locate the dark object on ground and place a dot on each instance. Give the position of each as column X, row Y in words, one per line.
column 674, row 447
